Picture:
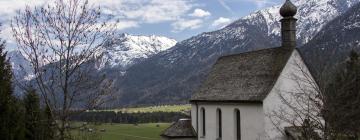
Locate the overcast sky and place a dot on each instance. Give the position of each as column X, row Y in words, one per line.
column 177, row 19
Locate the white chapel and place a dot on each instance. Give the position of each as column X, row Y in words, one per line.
column 242, row 90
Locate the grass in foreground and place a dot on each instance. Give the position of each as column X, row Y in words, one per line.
column 149, row 131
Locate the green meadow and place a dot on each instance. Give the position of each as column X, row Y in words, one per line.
column 115, row 131
column 149, row 131
column 163, row 108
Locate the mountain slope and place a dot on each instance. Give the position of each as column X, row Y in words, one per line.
column 172, row 76
column 126, row 50
column 312, row 16
column 21, row 66
column 333, row 43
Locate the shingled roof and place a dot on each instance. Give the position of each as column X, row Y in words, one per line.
column 180, row 129
column 245, row 77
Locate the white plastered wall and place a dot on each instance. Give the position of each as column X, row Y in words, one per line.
column 256, row 121
column 252, row 121
column 287, row 85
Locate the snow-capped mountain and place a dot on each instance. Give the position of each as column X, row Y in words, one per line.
column 21, row 66
column 312, row 16
column 158, row 71
column 172, row 76
column 332, row 45
column 125, row 50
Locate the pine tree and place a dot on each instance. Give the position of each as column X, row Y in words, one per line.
column 5, row 93
column 11, row 125
column 33, row 116
column 48, row 125
column 38, row 122
column 343, row 101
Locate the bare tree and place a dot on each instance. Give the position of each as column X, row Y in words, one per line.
column 326, row 109
column 61, row 40
column 302, row 106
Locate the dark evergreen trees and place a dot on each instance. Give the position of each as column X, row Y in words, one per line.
column 11, row 125
column 342, row 104
column 48, row 125
column 33, row 116
column 38, row 122
column 131, row 118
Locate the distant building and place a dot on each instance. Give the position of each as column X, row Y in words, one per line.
column 181, row 130
column 242, row 89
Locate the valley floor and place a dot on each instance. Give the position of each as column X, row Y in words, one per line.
column 150, row 131
column 150, row 109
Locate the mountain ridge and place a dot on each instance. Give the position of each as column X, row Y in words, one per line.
column 172, row 76
column 332, row 45
column 124, row 51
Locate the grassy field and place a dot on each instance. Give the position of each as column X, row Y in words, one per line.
column 164, row 108
column 129, row 131
column 149, row 131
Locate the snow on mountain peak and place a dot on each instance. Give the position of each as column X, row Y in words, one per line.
column 127, row 49
column 312, row 16
column 20, row 65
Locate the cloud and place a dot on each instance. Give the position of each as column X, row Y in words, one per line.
column 261, row 3
column 183, row 24
column 179, row 14
column 224, row 5
column 144, row 11
column 221, row 22
column 147, row 11
column 200, row 13
column 9, row 7
column 122, row 25
column 6, row 34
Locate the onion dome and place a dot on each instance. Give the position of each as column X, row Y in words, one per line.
column 288, row 9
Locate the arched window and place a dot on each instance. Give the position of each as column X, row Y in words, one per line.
column 203, row 117
column 237, row 124
column 219, row 123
